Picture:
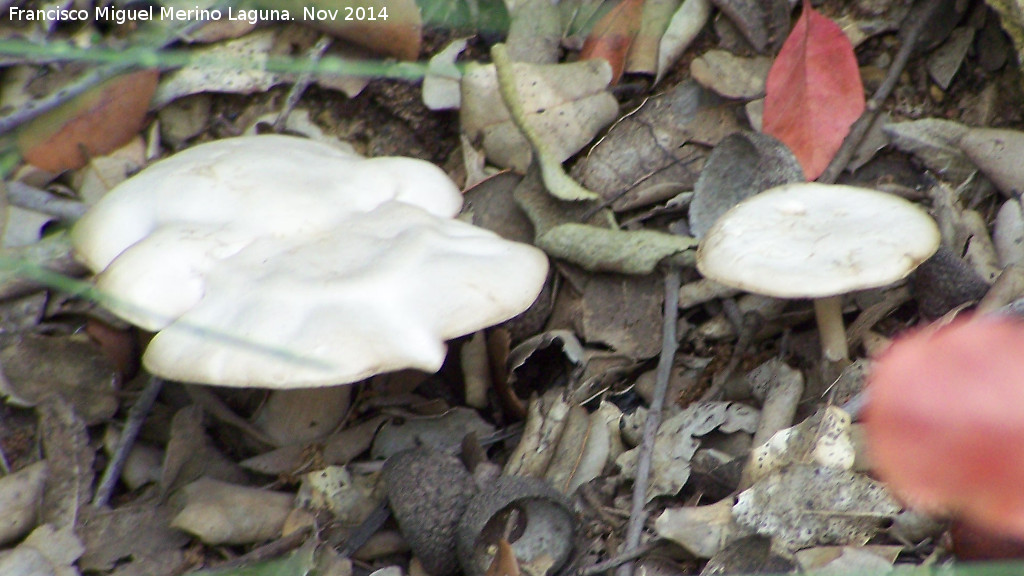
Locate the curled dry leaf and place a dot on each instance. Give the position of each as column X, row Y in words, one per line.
column 643, row 54
column 388, row 27
column 944, row 62
column 684, row 27
column 442, row 433
column 743, row 164
column 631, row 158
column 823, row 440
column 545, row 423
column 613, row 35
column 95, row 123
column 997, row 152
column 1008, row 233
column 567, row 104
column 731, row 76
column 582, row 451
column 221, row 513
column 935, row 142
column 442, row 83
column 679, row 437
column 701, row 530
column 814, row 92
column 349, row 496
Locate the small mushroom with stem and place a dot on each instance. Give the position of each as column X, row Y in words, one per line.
column 282, row 263
column 819, row 241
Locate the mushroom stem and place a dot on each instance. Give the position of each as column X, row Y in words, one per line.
column 829, row 313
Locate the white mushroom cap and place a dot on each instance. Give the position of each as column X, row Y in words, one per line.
column 811, row 240
column 280, row 262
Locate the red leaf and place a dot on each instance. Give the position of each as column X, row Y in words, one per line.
column 813, row 93
column 99, row 121
column 612, row 36
column 945, row 421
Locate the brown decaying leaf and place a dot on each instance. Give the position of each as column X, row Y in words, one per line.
column 613, row 35
column 814, row 92
column 119, row 346
column 399, row 35
column 97, row 122
column 505, row 562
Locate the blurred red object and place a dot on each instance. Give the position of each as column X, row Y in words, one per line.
column 976, row 544
column 945, row 421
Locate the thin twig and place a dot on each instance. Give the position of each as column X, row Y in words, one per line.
column 617, row 560
column 80, row 86
column 916, row 22
column 220, row 411
column 268, row 551
column 302, row 83
column 368, row 527
column 637, row 515
column 31, row 198
column 749, row 325
column 133, row 423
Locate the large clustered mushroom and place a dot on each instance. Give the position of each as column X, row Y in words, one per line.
column 275, row 261
column 818, row 241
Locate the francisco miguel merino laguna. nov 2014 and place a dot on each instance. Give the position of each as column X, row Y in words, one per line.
column 122, row 15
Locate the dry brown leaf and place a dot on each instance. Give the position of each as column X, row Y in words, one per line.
column 104, row 172
column 613, row 305
column 37, row 367
column 133, row 537
column 97, row 122
column 566, row 104
column 731, row 76
column 400, row 35
column 221, row 513
column 302, row 415
column 679, row 437
column 21, row 495
column 612, row 36
column 69, row 458
column 684, row 27
column 701, row 530
column 650, row 148
column 190, row 455
column 581, row 452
